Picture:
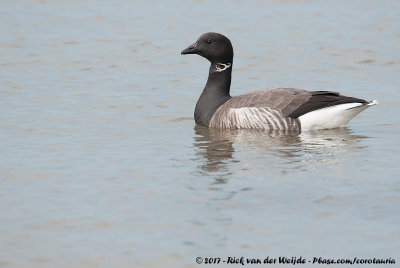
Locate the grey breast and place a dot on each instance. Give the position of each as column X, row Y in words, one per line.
column 261, row 109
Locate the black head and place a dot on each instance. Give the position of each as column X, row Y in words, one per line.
column 213, row 46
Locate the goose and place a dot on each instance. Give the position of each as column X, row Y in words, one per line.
column 287, row 109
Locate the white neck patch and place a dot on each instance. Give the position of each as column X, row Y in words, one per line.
column 220, row 67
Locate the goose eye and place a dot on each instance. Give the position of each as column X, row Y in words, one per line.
column 208, row 41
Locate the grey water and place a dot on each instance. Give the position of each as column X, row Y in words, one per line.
column 101, row 164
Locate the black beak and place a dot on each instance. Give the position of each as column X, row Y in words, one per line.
column 190, row 50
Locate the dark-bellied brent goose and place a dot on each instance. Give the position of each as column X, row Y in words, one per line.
column 270, row 109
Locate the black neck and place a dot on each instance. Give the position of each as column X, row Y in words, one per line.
column 215, row 93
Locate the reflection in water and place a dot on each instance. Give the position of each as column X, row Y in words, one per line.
column 329, row 138
column 217, row 147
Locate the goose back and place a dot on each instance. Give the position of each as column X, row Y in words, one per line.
column 276, row 108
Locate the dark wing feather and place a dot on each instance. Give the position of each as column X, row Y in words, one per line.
column 291, row 102
column 286, row 100
column 322, row 99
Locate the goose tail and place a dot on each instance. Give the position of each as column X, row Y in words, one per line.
column 333, row 116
